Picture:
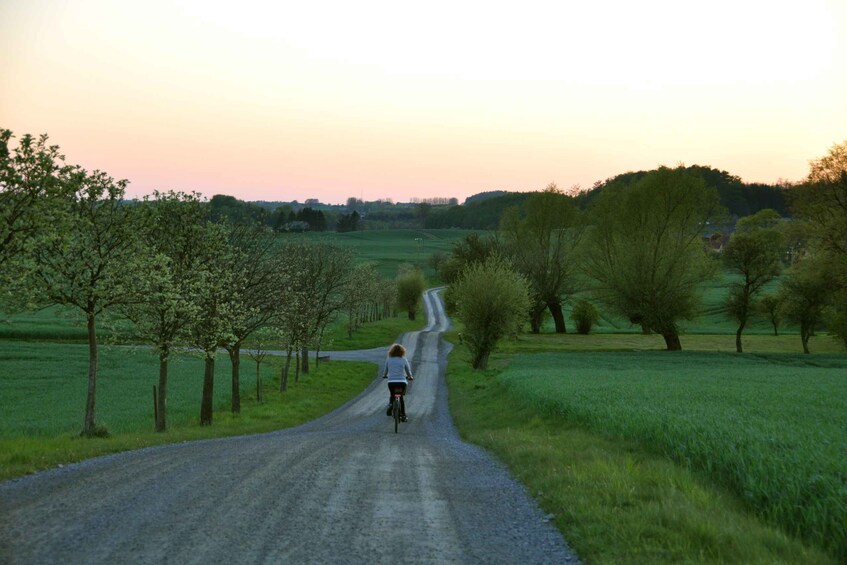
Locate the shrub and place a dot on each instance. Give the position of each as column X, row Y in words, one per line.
column 584, row 315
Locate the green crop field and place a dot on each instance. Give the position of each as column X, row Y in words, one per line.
column 772, row 428
column 391, row 248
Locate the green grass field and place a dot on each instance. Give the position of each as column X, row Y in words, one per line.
column 43, row 397
column 616, row 500
column 770, row 428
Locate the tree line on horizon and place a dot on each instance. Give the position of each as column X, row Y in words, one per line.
column 482, row 211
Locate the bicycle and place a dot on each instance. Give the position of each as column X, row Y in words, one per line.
column 397, row 392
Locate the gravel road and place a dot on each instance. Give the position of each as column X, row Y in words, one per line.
column 341, row 489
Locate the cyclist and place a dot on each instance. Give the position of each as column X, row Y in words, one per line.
column 397, row 370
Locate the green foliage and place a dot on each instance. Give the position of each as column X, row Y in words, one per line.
column 769, row 305
column 33, row 177
column 491, row 301
column 645, row 252
column 738, row 198
column 805, row 294
column 236, row 212
column 754, row 252
column 541, row 244
column 410, row 287
column 473, row 248
column 478, row 215
column 584, row 315
column 769, row 428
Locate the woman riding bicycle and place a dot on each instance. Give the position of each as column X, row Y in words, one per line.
column 397, row 370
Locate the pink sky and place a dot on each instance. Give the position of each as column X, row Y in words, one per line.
column 328, row 99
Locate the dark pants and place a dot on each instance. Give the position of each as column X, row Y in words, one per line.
column 400, row 387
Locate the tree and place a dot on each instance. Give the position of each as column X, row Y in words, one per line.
column 805, row 295
column 32, row 178
column 541, row 246
column 322, row 271
column 584, row 315
column 348, row 222
column 360, row 291
column 174, row 229
column 254, row 287
column 218, row 292
column 772, row 309
column 491, row 300
column 645, row 252
column 754, row 252
column 821, row 203
column 410, row 287
column 473, row 248
column 92, row 262
column 263, row 338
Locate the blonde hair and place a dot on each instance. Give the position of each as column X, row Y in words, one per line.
column 396, row 350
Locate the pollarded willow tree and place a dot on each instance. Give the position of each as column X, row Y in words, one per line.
column 491, row 300
column 645, row 250
column 541, row 244
column 410, row 287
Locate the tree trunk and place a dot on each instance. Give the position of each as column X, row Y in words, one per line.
column 305, row 361
column 208, row 391
column 805, row 334
column 412, row 313
column 258, row 381
column 480, row 359
column 535, row 318
column 89, row 425
column 235, row 358
column 162, row 393
column 297, row 367
column 558, row 317
column 740, row 329
column 672, row 340
column 283, row 377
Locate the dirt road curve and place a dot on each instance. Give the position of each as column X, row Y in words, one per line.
column 342, row 489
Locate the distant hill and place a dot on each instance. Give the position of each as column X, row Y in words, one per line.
column 739, row 198
column 479, row 197
column 483, row 214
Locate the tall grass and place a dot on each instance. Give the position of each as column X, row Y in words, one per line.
column 772, row 428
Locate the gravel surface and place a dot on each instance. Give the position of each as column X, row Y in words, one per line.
column 341, row 489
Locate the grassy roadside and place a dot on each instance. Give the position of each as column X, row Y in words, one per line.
column 613, row 501
column 45, row 383
column 313, row 396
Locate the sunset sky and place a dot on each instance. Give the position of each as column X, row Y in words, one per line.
column 392, row 99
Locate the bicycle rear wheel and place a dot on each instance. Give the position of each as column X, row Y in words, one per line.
column 395, row 411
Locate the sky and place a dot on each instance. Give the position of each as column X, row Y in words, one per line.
column 399, row 100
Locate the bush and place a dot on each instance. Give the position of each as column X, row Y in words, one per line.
column 492, row 301
column 584, row 315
